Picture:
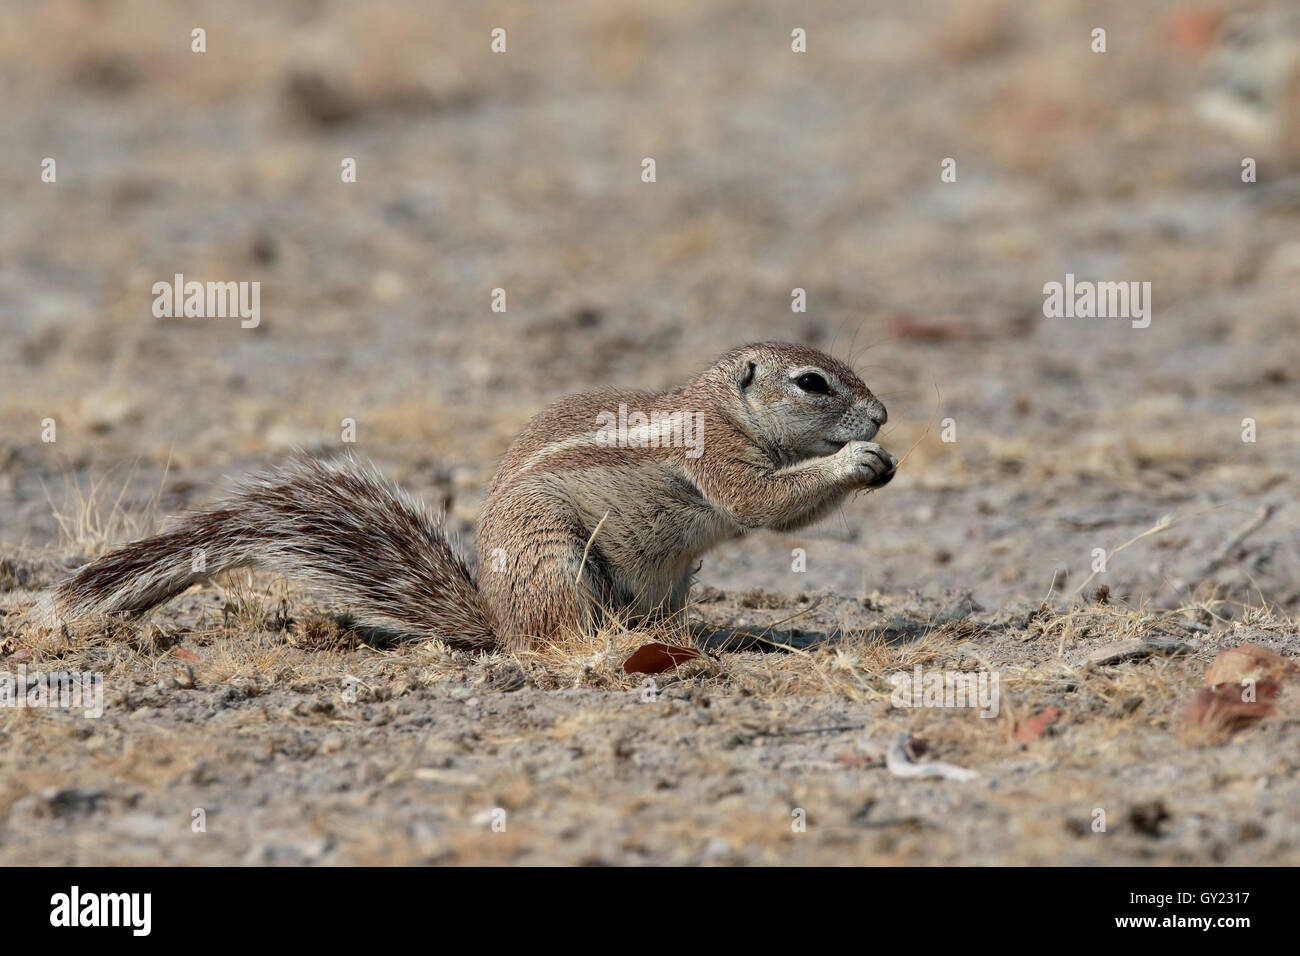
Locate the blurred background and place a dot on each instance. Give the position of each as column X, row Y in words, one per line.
column 775, row 170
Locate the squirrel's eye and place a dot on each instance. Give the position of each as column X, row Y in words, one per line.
column 812, row 382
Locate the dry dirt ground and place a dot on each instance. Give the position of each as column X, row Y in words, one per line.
column 303, row 741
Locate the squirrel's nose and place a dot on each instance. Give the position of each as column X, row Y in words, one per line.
column 876, row 412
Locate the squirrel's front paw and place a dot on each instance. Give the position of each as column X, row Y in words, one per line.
column 867, row 464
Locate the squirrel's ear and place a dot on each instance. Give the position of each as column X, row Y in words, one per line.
column 747, row 379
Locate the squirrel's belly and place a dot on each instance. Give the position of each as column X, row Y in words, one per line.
column 653, row 526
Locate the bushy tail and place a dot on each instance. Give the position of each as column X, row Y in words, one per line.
column 337, row 527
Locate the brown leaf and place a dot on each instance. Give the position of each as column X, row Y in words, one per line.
column 1235, row 665
column 1192, row 28
column 857, row 760
column 1033, row 728
column 655, row 658
column 19, row 655
column 185, row 655
column 1224, row 706
column 909, row 327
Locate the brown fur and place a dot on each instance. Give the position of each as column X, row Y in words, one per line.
column 772, row 454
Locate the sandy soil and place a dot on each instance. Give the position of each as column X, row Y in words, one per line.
column 303, row 741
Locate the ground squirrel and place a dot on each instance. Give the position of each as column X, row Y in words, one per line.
column 603, row 503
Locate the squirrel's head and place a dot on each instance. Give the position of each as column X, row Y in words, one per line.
column 796, row 401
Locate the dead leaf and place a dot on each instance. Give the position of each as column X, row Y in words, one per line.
column 1235, row 665
column 185, row 655
column 20, row 655
column 1225, row 705
column 1033, row 728
column 909, row 327
column 655, row 658
column 857, row 760
column 1192, row 29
